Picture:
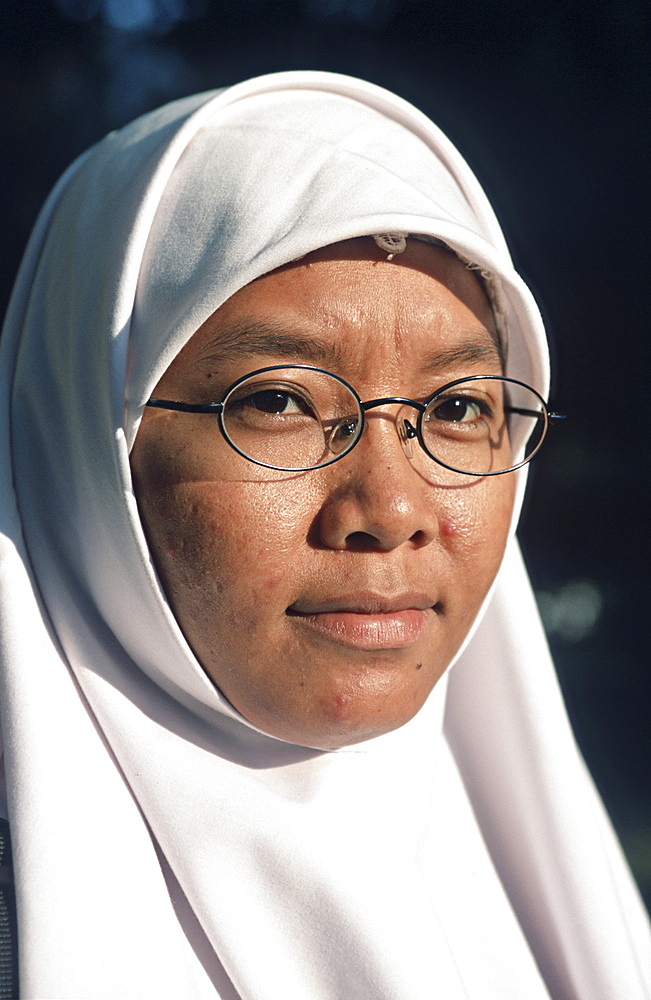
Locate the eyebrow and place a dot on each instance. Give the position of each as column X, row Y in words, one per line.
column 246, row 339
column 250, row 338
column 467, row 353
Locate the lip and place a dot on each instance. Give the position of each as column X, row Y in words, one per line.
column 368, row 621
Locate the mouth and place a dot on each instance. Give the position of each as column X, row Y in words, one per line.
column 369, row 621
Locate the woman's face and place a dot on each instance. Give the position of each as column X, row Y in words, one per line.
column 325, row 605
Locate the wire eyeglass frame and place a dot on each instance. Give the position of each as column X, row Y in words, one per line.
column 218, row 408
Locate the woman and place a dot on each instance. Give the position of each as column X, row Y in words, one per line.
column 237, row 762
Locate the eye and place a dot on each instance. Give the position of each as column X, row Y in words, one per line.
column 274, row 401
column 459, row 410
column 277, row 400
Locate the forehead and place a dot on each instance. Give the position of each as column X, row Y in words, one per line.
column 347, row 306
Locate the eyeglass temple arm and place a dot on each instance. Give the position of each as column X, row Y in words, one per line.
column 170, row 404
column 535, row 413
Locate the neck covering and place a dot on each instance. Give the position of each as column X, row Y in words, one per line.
column 164, row 847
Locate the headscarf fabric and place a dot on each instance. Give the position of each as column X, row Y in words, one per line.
column 163, row 846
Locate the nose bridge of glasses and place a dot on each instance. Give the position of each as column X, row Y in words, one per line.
column 371, row 404
column 405, row 428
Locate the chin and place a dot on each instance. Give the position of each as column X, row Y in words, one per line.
column 359, row 711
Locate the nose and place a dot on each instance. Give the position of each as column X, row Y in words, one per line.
column 376, row 499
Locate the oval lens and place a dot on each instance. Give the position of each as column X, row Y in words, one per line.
column 484, row 426
column 291, row 418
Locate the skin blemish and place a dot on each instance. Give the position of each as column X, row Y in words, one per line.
column 341, row 701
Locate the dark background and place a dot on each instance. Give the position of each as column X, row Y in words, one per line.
column 548, row 100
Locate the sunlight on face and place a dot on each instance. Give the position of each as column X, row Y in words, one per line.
column 326, row 604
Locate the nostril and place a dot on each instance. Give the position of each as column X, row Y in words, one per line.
column 419, row 539
column 363, row 541
column 367, row 541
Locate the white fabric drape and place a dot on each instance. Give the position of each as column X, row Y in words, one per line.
column 163, row 846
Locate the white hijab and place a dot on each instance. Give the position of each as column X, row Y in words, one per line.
column 163, row 846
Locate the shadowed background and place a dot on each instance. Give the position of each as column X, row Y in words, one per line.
column 549, row 103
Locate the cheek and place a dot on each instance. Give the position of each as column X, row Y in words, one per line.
column 223, row 550
column 247, row 535
column 474, row 528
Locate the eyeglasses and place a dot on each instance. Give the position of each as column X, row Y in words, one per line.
column 297, row 418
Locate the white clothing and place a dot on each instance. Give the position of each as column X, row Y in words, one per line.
column 164, row 847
